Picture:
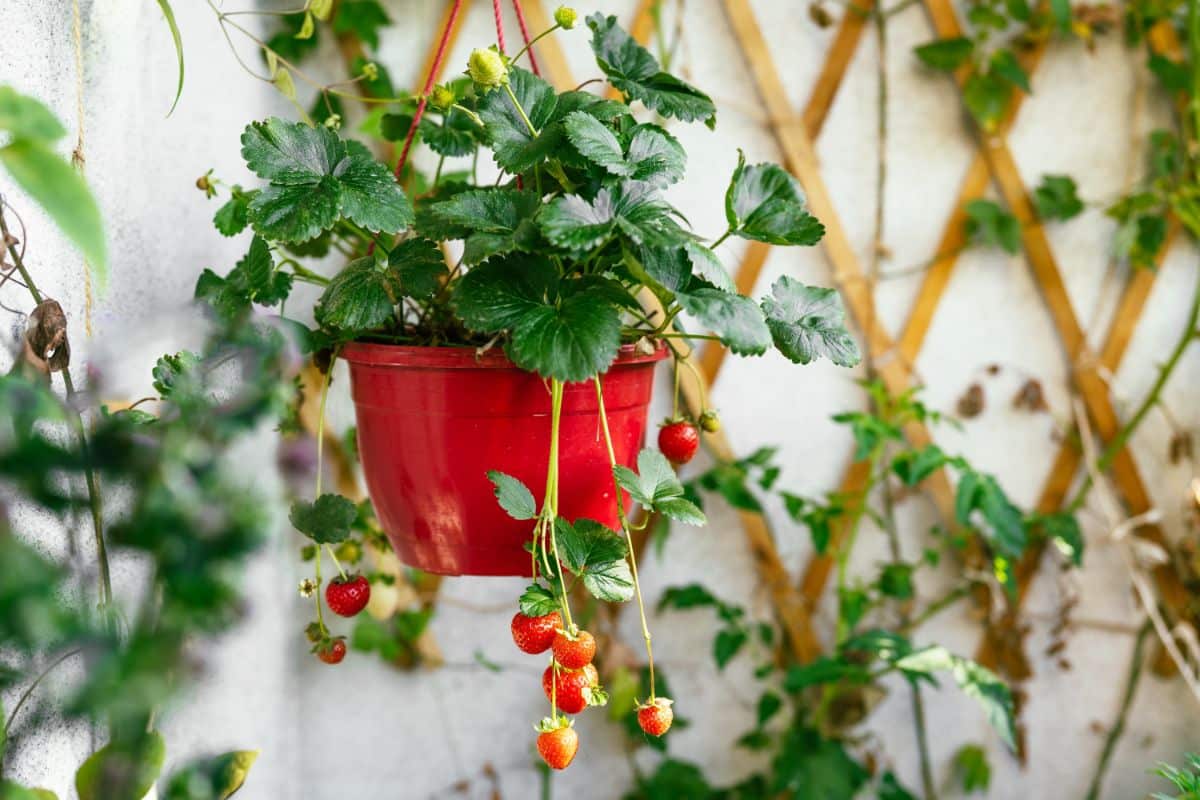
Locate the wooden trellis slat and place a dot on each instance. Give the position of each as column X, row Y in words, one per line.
column 1069, row 459
column 1092, row 388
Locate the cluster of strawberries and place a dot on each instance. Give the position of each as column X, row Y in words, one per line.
column 346, row 597
column 571, row 684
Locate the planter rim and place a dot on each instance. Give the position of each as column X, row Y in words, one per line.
column 377, row 354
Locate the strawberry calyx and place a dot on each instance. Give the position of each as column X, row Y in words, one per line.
column 555, row 723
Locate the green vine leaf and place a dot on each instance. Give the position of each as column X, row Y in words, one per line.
column 1003, row 526
column 946, row 54
column 359, row 298
column 656, row 486
column 765, row 203
column 133, row 769
column 513, row 496
column 974, row 680
column 990, row 224
column 490, row 221
column 631, row 69
column 315, row 177
column 1057, row 197
column 807, row 322
column 362, row 19
column 1005, row 65
column 596, row 555
column 986, row 96
column 1062, row 529
column 914, row 466
column 326, row 520
column 516, row 148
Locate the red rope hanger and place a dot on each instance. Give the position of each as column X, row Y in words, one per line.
column 435, row 69
column 533, row 65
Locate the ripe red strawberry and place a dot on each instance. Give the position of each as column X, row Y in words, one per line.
column 655, row 718
column 348, row 596
column 332, row 651
column 557, row 743
column 678, row 441
column 574, row 652
column 535, row 634
column 570, row 693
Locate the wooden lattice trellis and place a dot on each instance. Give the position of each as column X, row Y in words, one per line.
column 796, row 602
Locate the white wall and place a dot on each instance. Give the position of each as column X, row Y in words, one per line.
column 363, row 730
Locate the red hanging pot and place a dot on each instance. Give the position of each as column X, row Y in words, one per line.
column 432, row 421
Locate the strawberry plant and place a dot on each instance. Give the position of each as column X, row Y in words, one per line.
column 568, row 251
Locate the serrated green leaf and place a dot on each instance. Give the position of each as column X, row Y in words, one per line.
column 656, row 487
column 359, row 298
column 132, row 770
column 291, row 152
column 596, row 143
column 420, row 266
column 706, row 266
column 1003, row 527
column 807, row 322
column 596, row 555
column 630, row 208
column 514, row 146
column 631, row 69
column 974, row 680
column 573, row 340
column 233, row 217
column 370, row 196
column 655, row 156
column 513, row 496
column 171, row 372
column 296, row 212
column 765, row 203
column 490, row 221
column 693, row 595
column 538, row 601
column 914, row 466
column 736, row 320
column 946, row 54
column 497, row 294
column 60, row 190
column 327, row 520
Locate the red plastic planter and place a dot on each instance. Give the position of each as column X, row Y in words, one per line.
column 433, row 420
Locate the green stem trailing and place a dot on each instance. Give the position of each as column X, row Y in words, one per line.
column 1118, row 728
column 637, row 586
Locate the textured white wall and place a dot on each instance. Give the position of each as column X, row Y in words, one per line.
column 363, row 730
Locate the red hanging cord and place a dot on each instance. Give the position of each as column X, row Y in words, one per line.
column 499, row 25
column 525, row 35
column 435, row 69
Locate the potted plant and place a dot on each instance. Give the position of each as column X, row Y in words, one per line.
column 526, row 358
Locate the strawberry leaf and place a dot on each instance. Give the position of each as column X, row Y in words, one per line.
column 489, row 221
column 538, row 601
column 419, row 265
column 596, row 143
column 736, row 320
column 656, row 486
column 233, row 217
column 515, row 148
column 571, row 340
column 370, row 196
column 513, row 496
column 631, row 208
column 808, row 322
column 655, row 156
column 359, row 298
column 596, row 555
column 326, row 520
column 631, row 69
column 497, row 294
column 765, row 203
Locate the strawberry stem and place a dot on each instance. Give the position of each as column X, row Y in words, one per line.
column 550, row 504
column 336, row 563
column 637, row 586
column 317, row 492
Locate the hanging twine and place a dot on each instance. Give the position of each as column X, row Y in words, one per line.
column 435, row 69
column 77, row 156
